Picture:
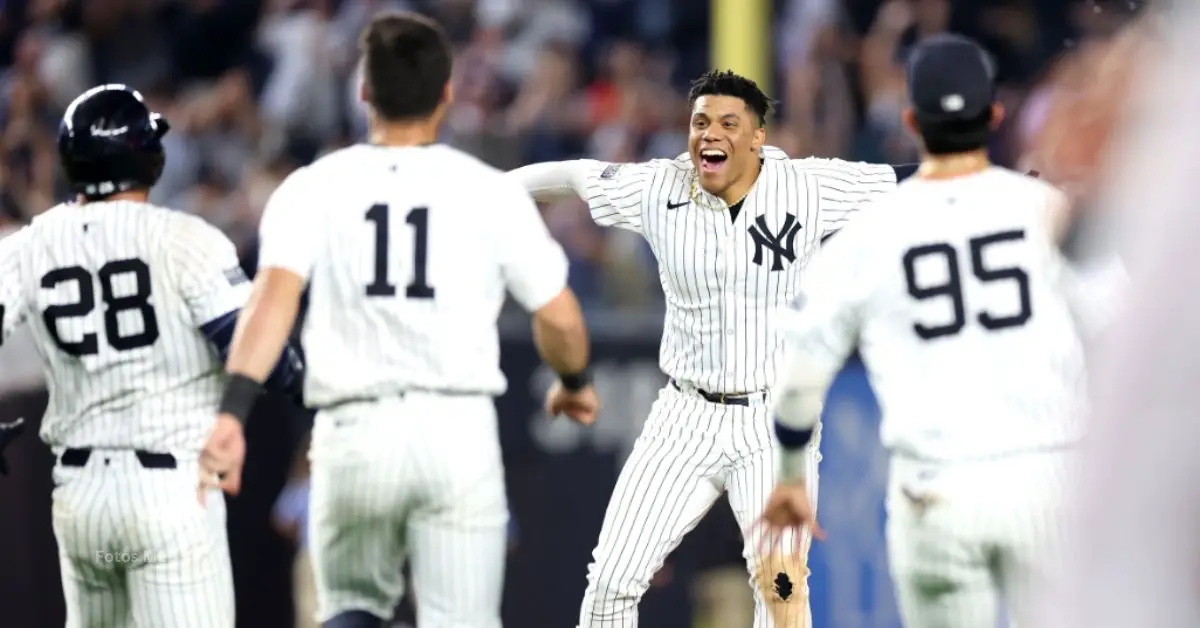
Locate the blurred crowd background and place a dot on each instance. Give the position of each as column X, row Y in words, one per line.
column 256, row 88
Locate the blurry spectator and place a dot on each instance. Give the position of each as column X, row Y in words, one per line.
column 547, row 115
column 818, row 112
column 300, row 96
column 27, row 150
column 899, row 25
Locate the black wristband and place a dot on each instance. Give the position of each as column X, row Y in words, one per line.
column 575, row 382
column 239, row 397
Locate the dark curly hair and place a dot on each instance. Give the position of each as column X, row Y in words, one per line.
column 727, row 83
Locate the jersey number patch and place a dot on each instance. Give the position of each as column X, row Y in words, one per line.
column 418, row 218
column 138, row 302
column 952, row 288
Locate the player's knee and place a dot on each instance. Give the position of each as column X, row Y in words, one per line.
column 782, row 583
column 353, row 619
column 612, row 589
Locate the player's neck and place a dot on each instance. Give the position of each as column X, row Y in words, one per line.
column 136, row 196
column 956, row 165
column 740, row 188
column 404, row 134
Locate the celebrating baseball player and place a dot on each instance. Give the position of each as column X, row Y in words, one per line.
column 407, row 247
column 960, row 302
column 732, row 223
column 131, row 305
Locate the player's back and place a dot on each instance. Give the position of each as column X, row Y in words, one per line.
column 968, row 336
column 107, row 298
column 408, row 279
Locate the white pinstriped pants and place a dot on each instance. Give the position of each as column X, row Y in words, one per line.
column 417, row 477
column 690, row 450
column 137, row 548
column 965, row 540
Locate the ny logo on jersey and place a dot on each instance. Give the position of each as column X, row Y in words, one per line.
column 782, row 245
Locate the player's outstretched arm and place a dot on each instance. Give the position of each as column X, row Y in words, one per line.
column 822, row 328
column 554, row 181
column 800, row 397
column 535, row 271
column 615, row 193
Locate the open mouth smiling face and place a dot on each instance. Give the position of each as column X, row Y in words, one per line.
column 722, row 141
column 712, row 160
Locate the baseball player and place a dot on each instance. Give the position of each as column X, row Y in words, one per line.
column 732, row 223
column 131, row 306
column 407, row 247
column 955, row 293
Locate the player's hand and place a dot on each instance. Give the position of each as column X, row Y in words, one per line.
column 581, row 405
column 222, row 458
column 789, row 508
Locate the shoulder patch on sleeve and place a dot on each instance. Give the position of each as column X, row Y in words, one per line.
column 236, row 276
column 611, row 171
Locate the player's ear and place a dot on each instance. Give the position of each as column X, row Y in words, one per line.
column 448, row 93
column 998, row 114
column 760, row 139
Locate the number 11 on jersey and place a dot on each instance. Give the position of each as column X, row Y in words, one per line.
column 418, row 219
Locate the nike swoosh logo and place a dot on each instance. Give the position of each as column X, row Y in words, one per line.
column 671, row 205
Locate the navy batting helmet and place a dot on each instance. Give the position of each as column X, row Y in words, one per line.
column 110, row 142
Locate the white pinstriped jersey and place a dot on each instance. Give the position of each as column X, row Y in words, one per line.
column 115, row 294
column 955, row 295
column 408, row 252
column 725, row 280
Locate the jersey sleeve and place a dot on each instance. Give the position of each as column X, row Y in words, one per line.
column 12, row 296
column 846, row 187
column 616, row 193
column 210, row 276
column 290, row 229
column 826, row 317
column 533, row 263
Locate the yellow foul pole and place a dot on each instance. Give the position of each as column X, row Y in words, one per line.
column 741, row 39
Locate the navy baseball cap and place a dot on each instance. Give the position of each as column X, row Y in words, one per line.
column 950, row 78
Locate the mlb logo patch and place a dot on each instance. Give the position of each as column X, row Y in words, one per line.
column 610, row 171
column 236, row 276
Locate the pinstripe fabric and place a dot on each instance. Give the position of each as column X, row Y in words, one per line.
column 115, row 294
column 419, row 478
column 953, row 294
column 470, row 231
column 689, row 452
column 408, row 259
column 721, row 332
column 966, row 540
column 136, row 549
column 724, row 291
column 155, row 397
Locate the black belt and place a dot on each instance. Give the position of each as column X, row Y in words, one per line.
column 729, row 399
column 400, row 394
column 148, row 459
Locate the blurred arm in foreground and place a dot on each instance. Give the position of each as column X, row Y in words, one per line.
column 1135, row 551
